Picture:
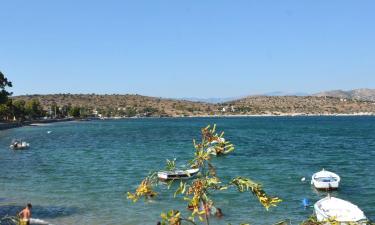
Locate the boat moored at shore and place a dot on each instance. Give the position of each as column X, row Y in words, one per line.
column 340, row 211
column 325, row 180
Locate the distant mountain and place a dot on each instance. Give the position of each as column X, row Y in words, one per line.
column 363, row 94
column 228, row 99
column 281, row 93
column 211, row 100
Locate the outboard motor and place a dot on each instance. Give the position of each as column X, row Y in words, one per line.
column 305, row 203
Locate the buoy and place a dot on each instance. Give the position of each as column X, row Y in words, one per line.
column 303, row 179
column 305, row 202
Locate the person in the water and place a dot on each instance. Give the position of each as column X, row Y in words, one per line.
column 25, row 215
column 219, row 214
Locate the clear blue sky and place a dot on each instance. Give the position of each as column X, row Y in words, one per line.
column 187, row 48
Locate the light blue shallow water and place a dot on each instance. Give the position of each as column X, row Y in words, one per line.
column 79, row 173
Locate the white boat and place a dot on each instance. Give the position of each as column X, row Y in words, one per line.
column 335, row 209
column 325, row 180
column 39, row 222
column 19, row 145
column 177, row 174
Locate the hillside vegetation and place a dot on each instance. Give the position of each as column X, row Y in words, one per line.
column 137, row 105
column 123, row 105
column 300, row 105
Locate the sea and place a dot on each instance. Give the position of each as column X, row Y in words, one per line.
column 79, row 172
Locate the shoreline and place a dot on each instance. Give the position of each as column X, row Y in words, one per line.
column 288, row 115
column 10, row 125
column 247, row 115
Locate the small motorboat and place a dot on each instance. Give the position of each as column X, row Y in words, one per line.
column 325, row 180
column 338, row 210
column 19, row 145
column 177, row 174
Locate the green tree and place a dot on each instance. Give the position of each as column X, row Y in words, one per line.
column 33, row 109
column 149, row 111
column 75, row 112
column 198, row 191
column 19, row 110
column 65, row 110
column 4, row 83
column 130, row 111
column 6, row 110
column 85, row 112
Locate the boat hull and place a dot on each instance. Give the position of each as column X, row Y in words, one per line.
column 325, row 180
column 177, row 175
column 326, row 185
column 22, row 146
column 341, row 211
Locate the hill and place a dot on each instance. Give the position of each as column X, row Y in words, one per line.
column 123, row 104
column 138, row 105
column 299, row 105
column 363, row 94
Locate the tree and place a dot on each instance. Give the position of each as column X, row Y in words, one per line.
column 54, row 110
column 149, row 111
column 130, row 112
column 19, row 110
column 65, row 110
column 34, row 109
column 197, row 192
column 3, row 84
column 6, row 110
column 75, row 112
column 85, row 112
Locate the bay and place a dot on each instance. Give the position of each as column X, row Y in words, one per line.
column 79, row 173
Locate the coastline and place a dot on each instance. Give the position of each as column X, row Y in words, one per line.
column 288, row 115
column 243, row 115
column 10, row 125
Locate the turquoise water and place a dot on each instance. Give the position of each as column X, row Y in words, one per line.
column 80, row 172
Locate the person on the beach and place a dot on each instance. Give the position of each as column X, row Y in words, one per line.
column 25, row 215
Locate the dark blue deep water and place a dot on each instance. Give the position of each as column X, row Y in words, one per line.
column 81, row 171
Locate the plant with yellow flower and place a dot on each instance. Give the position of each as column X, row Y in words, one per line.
column 197, row 190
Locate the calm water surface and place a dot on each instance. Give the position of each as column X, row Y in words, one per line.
column 80, row 172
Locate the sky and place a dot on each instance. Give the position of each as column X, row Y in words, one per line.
column 195, row 48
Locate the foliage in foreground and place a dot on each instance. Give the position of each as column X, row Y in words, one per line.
column 312, row 220
column 197, row 192
column 9, row 220
column 4, row 82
